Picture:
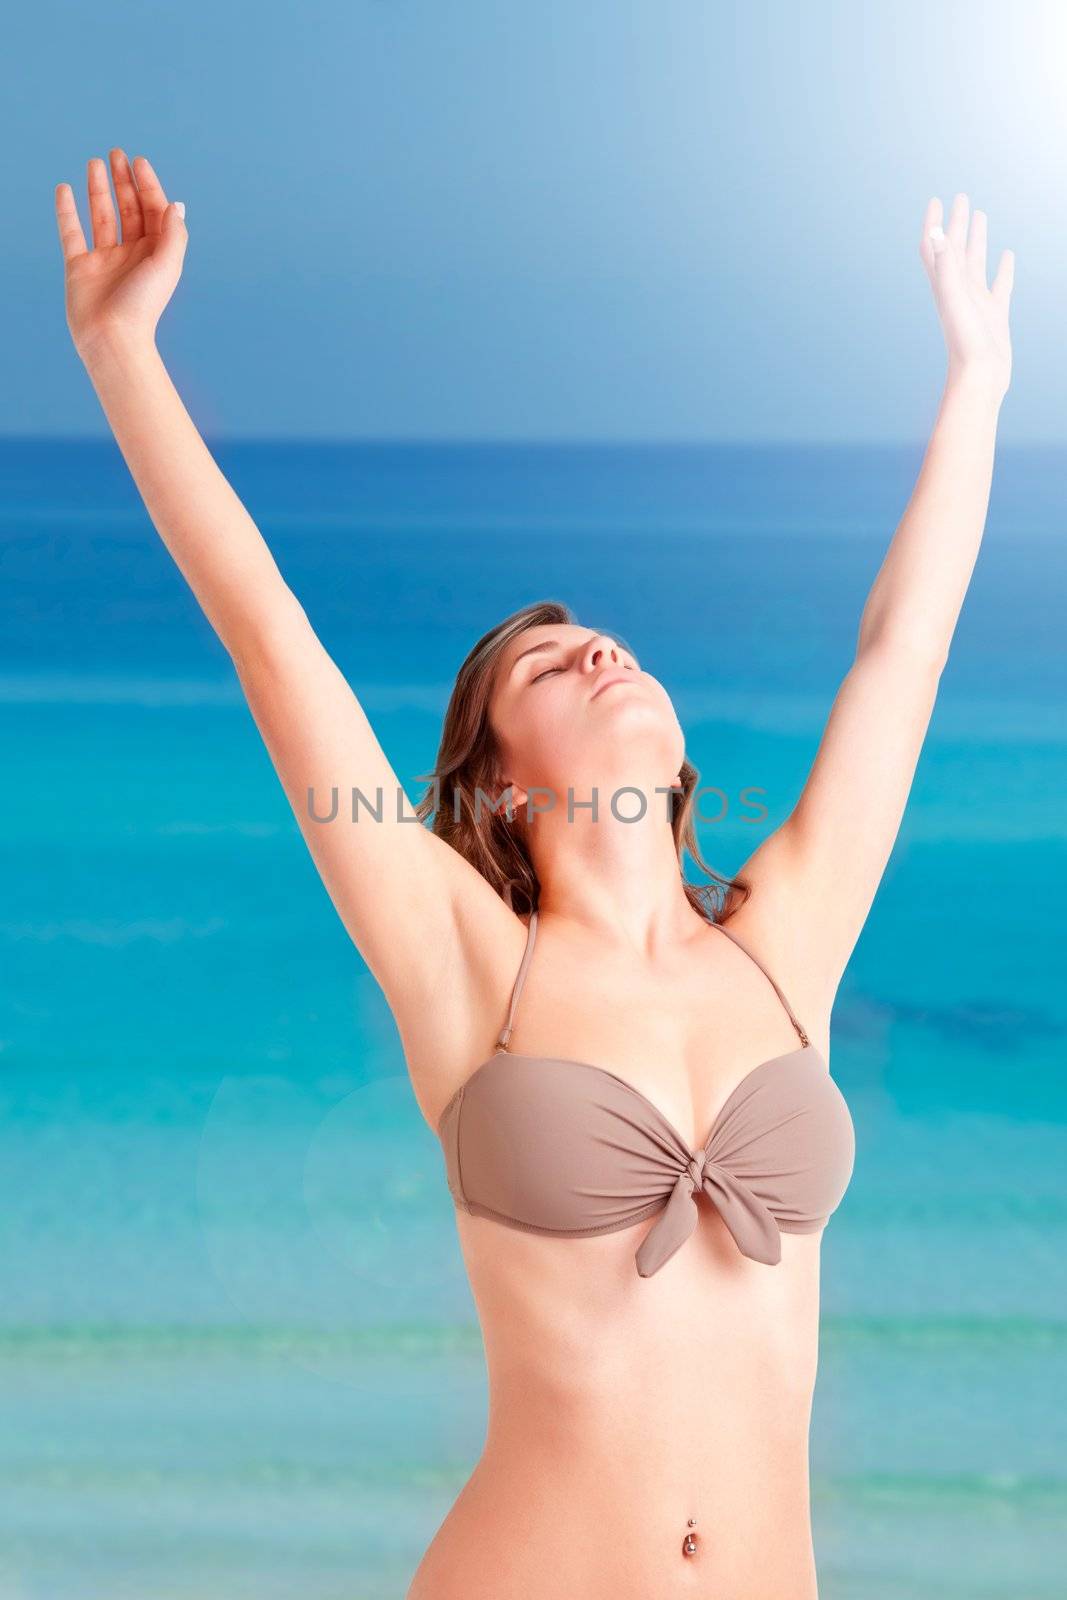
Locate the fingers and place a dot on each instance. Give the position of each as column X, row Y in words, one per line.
column 944, row 248
column 959, row 247
column 946, row 262
column 931, row 220
column 957, row 224
column 101, row 211
column 129, row 200
column 1005, row 278
column 948, row 268
column 141, row 202
column 976, row 249
column 175, row 233
column 71, row 237
column 153, row 200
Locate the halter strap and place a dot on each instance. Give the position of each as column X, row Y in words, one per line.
column 527, row 955
column 531, row 935
column 789, row 1009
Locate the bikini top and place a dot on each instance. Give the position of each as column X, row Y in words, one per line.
column 555, row 1146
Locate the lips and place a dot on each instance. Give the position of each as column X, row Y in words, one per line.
column 606, row 683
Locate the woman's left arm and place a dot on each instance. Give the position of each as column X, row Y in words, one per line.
column 819, row 871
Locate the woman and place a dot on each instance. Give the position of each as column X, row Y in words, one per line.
column 638, row 1127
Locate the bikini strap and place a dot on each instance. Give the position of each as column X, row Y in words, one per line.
column 742, row 946
column 531, row 935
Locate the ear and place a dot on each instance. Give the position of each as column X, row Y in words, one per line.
column 518, row 793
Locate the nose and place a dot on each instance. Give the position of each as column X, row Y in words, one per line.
column 601, row 648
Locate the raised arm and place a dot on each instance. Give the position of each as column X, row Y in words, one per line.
column 384, row 878
column 819, row 871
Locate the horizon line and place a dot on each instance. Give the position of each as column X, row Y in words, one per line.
column 543, row 442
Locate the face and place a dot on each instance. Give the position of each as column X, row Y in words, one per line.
column 572, row 708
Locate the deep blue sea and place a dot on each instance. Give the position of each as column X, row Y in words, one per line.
column 238, row 1354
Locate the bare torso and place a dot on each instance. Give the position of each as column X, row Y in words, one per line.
column 621, row 1407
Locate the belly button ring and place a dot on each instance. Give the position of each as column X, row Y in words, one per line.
column 689, row 1543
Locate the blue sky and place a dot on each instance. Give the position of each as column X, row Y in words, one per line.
column 560, row 219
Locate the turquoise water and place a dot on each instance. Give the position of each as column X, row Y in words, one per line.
column 237, row 1351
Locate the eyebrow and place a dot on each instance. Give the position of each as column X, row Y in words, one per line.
column 534, row 649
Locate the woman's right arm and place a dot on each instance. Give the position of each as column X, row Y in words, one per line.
column 216, row 545
column 401, row 891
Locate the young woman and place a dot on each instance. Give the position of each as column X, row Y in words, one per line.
column 639, row 1128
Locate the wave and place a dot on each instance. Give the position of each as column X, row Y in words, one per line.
column 984, row 720
column 124, row 1341
column 82, row 689
column 945, row 1490
column 120, row 689
column 161, row 930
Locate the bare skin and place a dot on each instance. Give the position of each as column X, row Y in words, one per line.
column 620, row 1407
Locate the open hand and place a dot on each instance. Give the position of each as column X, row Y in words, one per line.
column 974, row 318
column 119, row 284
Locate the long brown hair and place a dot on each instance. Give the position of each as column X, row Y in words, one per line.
column 467, row 760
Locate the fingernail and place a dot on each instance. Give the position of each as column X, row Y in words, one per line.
column 937, row 237
column 179, row 206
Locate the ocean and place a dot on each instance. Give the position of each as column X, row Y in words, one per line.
column 238, row 1354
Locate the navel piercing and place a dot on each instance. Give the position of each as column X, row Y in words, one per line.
column 689, row 1543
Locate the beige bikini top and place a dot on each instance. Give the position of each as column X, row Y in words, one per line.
column 555, row 1146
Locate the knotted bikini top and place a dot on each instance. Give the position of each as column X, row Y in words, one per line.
column 555, row 1146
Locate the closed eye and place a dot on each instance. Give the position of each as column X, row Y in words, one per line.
column 545, row 674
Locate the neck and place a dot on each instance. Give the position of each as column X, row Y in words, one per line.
column 618, row 878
